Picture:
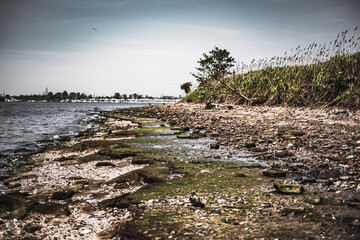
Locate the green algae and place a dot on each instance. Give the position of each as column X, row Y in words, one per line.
column 170, row 177
column 145, row 131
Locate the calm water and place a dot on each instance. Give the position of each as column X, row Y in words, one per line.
column 23, row 126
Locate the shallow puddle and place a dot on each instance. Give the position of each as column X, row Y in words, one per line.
column 195, row 149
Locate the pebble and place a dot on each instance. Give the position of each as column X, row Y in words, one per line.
column 86, row 231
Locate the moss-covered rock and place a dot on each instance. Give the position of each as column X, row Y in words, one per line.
column 292, row 210
column 288, row 189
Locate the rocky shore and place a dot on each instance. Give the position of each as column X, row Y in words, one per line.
column 186, row 171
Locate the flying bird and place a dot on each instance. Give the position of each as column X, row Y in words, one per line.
column 95, row 29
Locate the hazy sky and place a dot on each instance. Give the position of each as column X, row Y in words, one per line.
column 150, row 46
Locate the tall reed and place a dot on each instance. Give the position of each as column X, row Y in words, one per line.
column 317, row 75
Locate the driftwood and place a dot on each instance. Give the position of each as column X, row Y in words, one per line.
column 236, row 92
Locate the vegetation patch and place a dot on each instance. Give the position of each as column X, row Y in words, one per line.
column 145, row 131
column 316, row 76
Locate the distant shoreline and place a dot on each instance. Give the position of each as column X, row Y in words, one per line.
column 101, row 100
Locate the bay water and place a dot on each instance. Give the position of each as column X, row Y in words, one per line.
column 24, row 126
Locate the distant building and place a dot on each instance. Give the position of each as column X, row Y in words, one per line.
column 46, row 92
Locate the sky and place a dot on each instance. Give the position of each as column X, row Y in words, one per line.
column 150, row 47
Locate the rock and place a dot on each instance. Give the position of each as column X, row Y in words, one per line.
column 195, row 161
column 188, row 136
column 314, row 201
column 63, row 195
column 31, row 228
column 194, row 136
column 340, row 112
column 15, row 204
column 255, row 165
column 115, row 155
column 354, row 204
column 215, row 134
column 308, row 180
column 267, row 156
column 250, row 144
column 228, row 220
column 240, row 175
column 255, row 149
column 63, row 159
column 179, row 132
column 86, row 231
column 209, row 106
column 184, row 136
column 344, row 178
column 356, row 223
column 294, row 210
column 196, row 131
column 356, row 137
column 119, row 202
column 214, row 146
column 329, row 182
column 297, row 133
column 288, row 189
column 88, row 208
column 288, row 137
column 141, row 160
column 172, row 122
column 284, row 153
column 4, row 177
column 51, row 208
column 274, row 173
column 41, row 197
column 196, row 201
column 184, row 128
column 15, row 185
column 328, row 146
column 201, row 134
column 64, row 138
column 199, row 127
column 104, row 164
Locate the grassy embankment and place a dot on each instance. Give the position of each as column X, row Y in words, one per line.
column 317, row 76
